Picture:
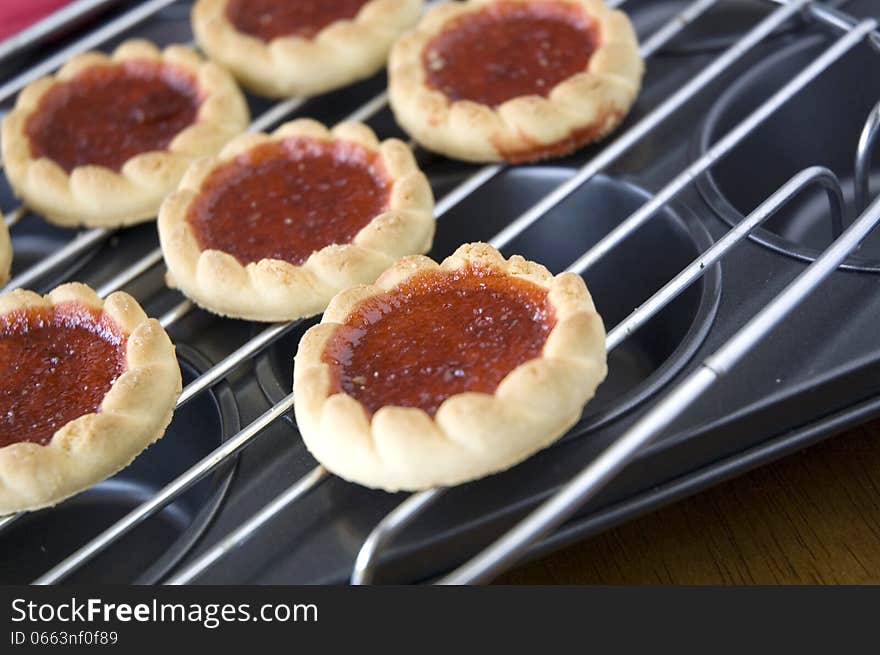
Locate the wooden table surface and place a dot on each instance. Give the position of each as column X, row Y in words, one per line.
column 810, row 518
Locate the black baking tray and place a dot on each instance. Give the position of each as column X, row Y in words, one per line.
column 815, row 375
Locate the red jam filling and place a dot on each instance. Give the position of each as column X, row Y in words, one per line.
column 56, row 364
column 271, row 19
column 106, row 115
column 287, row 199
column 507, row 50
column 436, row 335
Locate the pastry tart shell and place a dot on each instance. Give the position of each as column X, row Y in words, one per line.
column 97, row 196
column 278, row 290
column 580, row 109
column 341, row 53
column 133, row 414
column 472, row 434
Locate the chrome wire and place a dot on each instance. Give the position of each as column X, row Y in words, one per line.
column 57, row 19
column 129, row 274
column 105, row 33
column 295, row 492
column 813, row 176
column 9, row 519
column 77, row 246
column 843, row 45
column 219, row 370
column 387, row 530
column 14, row 216
column 369, row 108
column 867, row 140
column 176, row 313
column 277, row 113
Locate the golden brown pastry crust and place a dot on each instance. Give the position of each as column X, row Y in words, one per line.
column 97, row 196
column 582, row 108
column 5, row 252
column 472, row 434
column 341, row 53
column 276, row 290
column 133, row 414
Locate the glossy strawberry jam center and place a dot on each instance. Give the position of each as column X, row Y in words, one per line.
column 287, row 199
column 108, row 114
column 55, row 366
column 508, row 50
column 271, row 19
column 436, row 335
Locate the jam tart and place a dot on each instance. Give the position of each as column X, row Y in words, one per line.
column 442, row 373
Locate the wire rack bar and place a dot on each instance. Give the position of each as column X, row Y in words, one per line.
column 176, row 313
column 835, row 19
column 466, row 188
column 814, row 176
column 604, row 468
column 668, row 31
column 296, row 491
column 650, row 122
column 130, row 274
column 108, row 31
column 15, row 216
column 387, row 531
column 224, row 366
column 54, row 21
column 840, row 47
column 862, row 175
column 277, row 113
column 370, row 108
column 166, row 494
column 399, row 518
column 61, row 256
column 9, row 519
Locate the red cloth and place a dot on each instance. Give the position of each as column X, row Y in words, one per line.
column 15, row 15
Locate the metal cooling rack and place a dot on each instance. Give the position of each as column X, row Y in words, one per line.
column 561, row 506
